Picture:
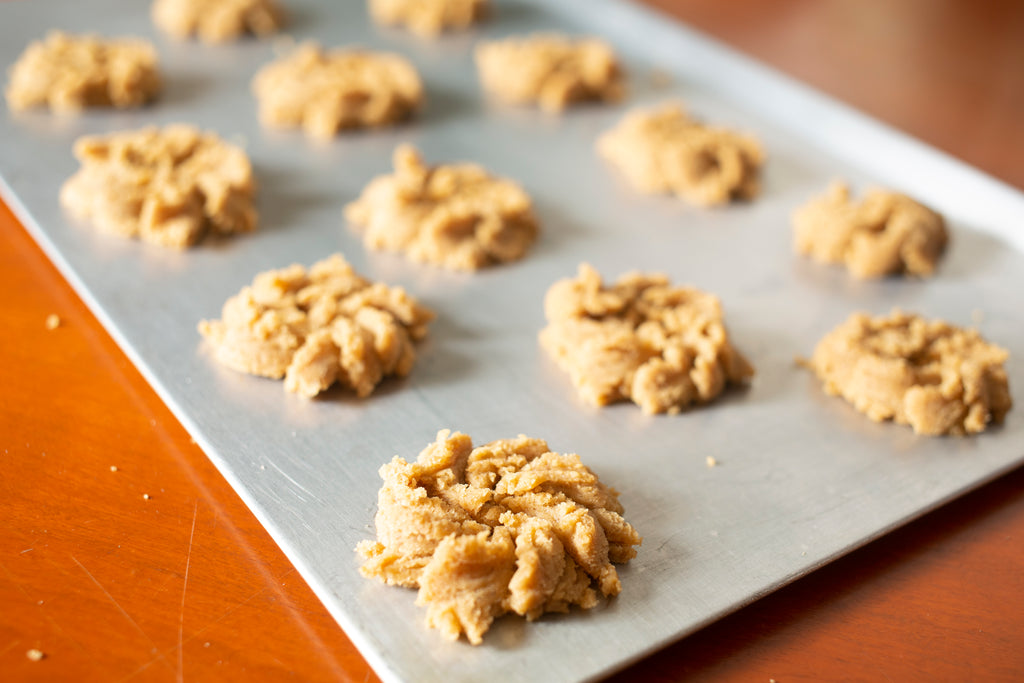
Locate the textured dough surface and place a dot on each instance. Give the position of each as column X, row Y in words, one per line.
column 664, row 150
column 506, row 527
column 326, row 91
column 67, row 73
column 640, row 339
column 551, row 70
column 886, row 233
column 217, row 21
column 319, row 326
column 456, row 216
column 933, row 376
column 429, row 18
column 169, row 186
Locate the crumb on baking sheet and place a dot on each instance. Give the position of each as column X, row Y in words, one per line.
column 52, row 321
column 113, row 468
column 36, row 655
column 711, row 461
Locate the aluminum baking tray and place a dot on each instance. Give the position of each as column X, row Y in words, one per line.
column 802, row 478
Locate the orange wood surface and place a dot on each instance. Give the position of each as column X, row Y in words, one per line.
column 186, row 585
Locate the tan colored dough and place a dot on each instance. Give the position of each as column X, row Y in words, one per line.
column 886, row 233
column 551, row 70
column 319, row 326
column 457, row 216
column 169, row 186
column 506, row 527
column 640, row 339
column 68, row 73
column 664, row 150
column 933, row 376
column 429, row 18
column 217, row 21
column 326, row 91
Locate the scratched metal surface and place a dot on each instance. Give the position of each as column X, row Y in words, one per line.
column 802, row 478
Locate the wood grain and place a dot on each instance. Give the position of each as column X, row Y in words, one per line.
column 186, row 585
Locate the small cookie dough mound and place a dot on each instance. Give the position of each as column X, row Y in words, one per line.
column 328, row 91
column 167, row 186
column 935, row 377
column 217, row 21
column 68, row 73
column 317, row 327
column 505, row 527
column 428, row 18
column 887, row 233
column 456, row 216
column 662, row 347
column 552, row 70
column 664, row 150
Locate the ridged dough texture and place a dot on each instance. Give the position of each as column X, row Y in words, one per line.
column 319, row 326
column 506, row 527
column 640, row 339
column 933, row 376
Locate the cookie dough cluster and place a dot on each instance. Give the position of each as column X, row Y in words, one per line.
column 429, row 18
column 217, row 21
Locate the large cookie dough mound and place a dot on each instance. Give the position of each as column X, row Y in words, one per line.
column 168, row 186
column 217, row 21
column 937, row 378
column 328, row 91
column 69, row 73
column 886, row 233
column 664, row 150
column 506, row 527
column 455, row 216
column 428, row 18
column 317, row 327
column 641, row 339
column 551, row 70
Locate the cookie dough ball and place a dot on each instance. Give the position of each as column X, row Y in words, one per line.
column 325, row 91
column 664, row 150
column 319, row 326
column 640, row 339
column 886, row 233
column 217, row 21
column 506, row 527
column 68, row 73
column 429, row 18
column 169, row 186
column 456, row 216
column 933, row 376
column 551, row 70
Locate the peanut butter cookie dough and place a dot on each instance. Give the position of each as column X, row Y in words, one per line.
column 217, row 21
column 887, row 233
column 167, row 186
column 429, row 18
column 456, row 216
column 317, row 327
column 68, row 73
column 505, row 527
column 664, row 150
column 550, row 69
column 933, row 376
column 641, row 339
column 325, row 91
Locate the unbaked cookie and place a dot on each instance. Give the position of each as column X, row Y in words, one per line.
column 457, row 216
column 550, row 69
column 429, row 18
column 68, row 73
column 641, row 339
column 325, row 91
column 886, row 233
column 506, row 527
column 935, row 377
column 664, row 150
column 169, row 186
column 317, row 327
column 217, row 21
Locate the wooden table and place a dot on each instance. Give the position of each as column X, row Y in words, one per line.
column 155, row 570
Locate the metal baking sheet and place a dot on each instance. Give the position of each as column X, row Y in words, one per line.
column 802, row 478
